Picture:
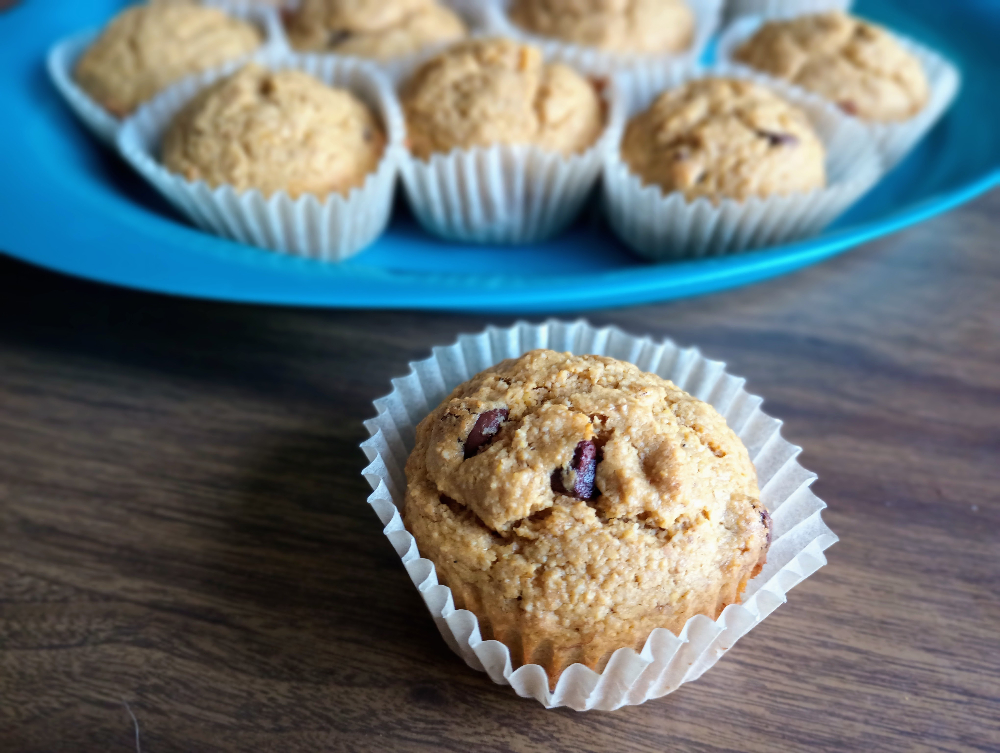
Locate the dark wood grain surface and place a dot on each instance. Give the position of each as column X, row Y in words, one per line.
column 183, row 526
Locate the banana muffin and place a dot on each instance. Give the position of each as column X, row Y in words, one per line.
column 625, row 26
column 379, row 29
column 724, row 138
column 146, row 48
column 274, row 131
column 496, row 91
column 576, row 503
column 855, row 64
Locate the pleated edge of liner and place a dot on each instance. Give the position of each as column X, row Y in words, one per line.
column 804, row 562
column 62, row 55
column 143, row 160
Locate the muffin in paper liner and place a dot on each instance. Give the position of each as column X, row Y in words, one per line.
column 64, row 54
column 666, row 226
column 506, row 193
column 778, row 8
column 893, row 140
column 472, row 12
column 598, row 62
column 329, row 228
column 666, row 660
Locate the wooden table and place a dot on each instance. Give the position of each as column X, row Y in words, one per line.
column 183, row 526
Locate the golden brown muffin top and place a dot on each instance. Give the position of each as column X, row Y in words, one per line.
column 857, row 65
column 496, row 91
column 275, row 130
column 717, row 137
column 584, row 499
column 146, row 48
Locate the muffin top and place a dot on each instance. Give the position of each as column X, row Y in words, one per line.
column 273, row 131
column 855, row 64
column 717, row 137
column 146, row 48
column 496, row 91
column 380, row 29
column 584, row 502
column 627, row 26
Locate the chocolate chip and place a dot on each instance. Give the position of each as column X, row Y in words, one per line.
column 848, row 106
column 765, row 518
column 337, row 36
column 581, row 473
column 367, row 134
column 486, row 427
column 779, row 139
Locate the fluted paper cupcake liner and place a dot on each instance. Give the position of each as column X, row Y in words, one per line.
column 600, row 62
column 329, row 228
column 472, row 13
column 666, row 226
column 783, row 8
column 666, row 661
column 64, row 54
column 505, row 193
column 893, row 140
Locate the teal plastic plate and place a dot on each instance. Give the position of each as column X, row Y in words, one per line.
column 69, row 204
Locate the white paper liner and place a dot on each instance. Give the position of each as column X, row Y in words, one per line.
column 505, row 194
column 664, row 227
column 799, row 534
column 596, row 61
column 893, row 140
column 472, row 12
column 63, row 55
column 330, row 228
column 778, row 8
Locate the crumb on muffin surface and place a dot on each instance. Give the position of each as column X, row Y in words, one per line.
column 595, row 503
column 855, row 64
column 724, row 138
column 496, row 91
column 145, row 48
column 273, row 131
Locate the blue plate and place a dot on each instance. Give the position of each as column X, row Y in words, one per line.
column 68, row 204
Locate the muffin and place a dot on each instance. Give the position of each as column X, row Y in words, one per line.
column 622, row 26
column 724, row 138
column 496, row 91
column 379, row 29
column 146, row 48
column 275, row 131
column 576, row 503
column 848, row 61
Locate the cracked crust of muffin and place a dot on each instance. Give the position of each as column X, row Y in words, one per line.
column 146, row 48
column 378, row 29
column 273, row 131
column 720, row 138
column 496, row 91
column 854, row 64
column 576, row 503
column 625, row 26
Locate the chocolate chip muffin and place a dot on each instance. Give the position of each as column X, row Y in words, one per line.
column 379, row 29
column 275, row 131
column 576, row 503
column 146, row 48
column 724, row 138
column 496, row 91
column 626, row 26
column 855, row 64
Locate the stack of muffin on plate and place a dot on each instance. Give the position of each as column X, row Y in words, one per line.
column 515, row 112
